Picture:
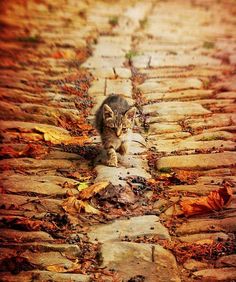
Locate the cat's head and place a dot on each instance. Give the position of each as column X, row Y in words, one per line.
column 118, row 123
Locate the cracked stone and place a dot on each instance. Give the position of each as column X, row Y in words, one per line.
column 130, row 259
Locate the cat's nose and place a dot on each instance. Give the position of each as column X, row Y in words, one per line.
column 118, row 133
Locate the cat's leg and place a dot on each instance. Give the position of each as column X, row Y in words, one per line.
column 124, row 148
column 112, row 157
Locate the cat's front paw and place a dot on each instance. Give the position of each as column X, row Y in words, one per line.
column 112, row 162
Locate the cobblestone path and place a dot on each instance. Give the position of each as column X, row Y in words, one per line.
column 175, row 60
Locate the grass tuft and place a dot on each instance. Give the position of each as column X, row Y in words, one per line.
column 113, row 21
column 208, row 45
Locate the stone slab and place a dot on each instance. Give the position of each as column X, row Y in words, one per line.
column 194, row 238
column 118, row 175
column 207, row 225
column 24, row 236
column 132, row 228
column 119, row 86
column 169, row 85
column 216, row 274
column 28, row 276
column 180, row 94
column 199, row 161
column 178, row 146
column 225, row 261
column 10, row 201
column 175, row 108
column 155, row 128
column 131, row 259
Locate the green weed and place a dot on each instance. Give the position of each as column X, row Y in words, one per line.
column 113, row 21
column 208, row 45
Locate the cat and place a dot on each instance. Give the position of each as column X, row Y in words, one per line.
column 114, row 121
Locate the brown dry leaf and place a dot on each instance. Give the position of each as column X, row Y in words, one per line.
column 59, row 136
column 185, row 176
column 81, row 176
column 214, row 202
column 93, row 189
column 73, row 206
column 36, row 151
column 31, row 150
column 28, row 224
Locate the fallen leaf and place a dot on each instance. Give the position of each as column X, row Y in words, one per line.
column 93, row 189
column 31, row 150
column 215, row 201
column 185, row 176
column 60, row 136
column 66, row 54
column 23, row 223
column 81, row 176
column 73, row 206
column 82, row 186
column 75, row 267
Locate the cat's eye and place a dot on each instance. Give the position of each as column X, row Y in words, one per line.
column 124, row 130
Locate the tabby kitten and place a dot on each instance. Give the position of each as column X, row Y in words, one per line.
column 114, row 121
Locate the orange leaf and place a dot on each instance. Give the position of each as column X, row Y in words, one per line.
column 31, row 150
column 185, row 176
column 67, row 54
column 215, row 201
column 93, row 189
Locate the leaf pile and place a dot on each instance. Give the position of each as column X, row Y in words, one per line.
column 77, row 204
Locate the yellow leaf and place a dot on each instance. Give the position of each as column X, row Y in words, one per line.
column 56, row 268
column 82, row 186
column 60, row 136
column 93, row 189
column 59, row 268
column 88, row 208
column 73, row 206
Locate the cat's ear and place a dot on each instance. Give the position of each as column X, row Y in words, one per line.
column 131, row 113
column 107, row 112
